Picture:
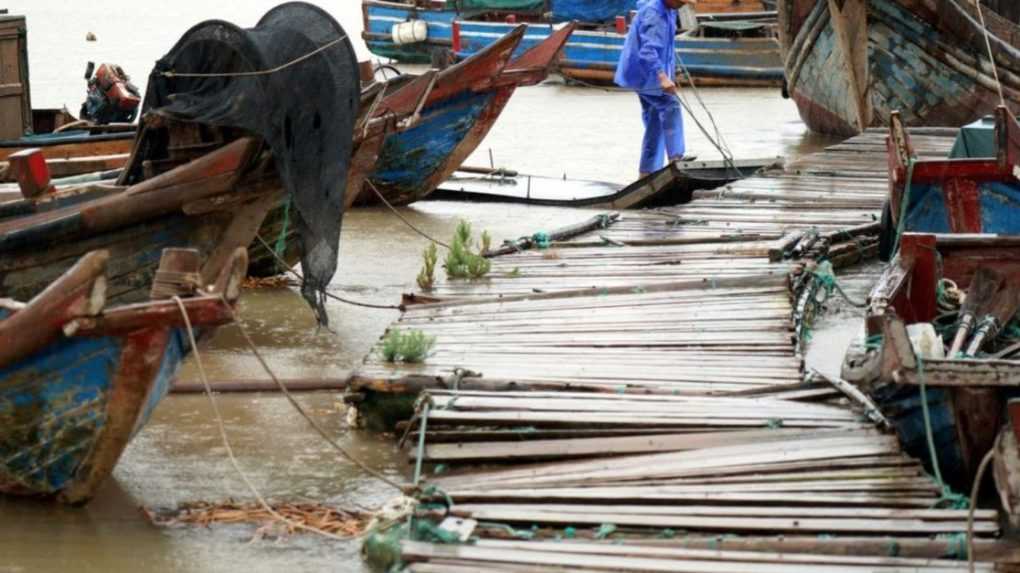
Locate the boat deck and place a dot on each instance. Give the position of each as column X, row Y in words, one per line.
column 633, row 398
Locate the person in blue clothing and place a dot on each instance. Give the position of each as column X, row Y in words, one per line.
column 648, row 66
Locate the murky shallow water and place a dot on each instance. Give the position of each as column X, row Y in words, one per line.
column 546, row 130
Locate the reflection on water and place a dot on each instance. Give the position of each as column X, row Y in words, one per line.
column 546, row 130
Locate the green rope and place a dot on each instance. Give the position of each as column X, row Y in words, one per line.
column 956, row 501
column 605, row 530
column 281, row 241
column 902, row 223
column 541, row 240
column 957, row 548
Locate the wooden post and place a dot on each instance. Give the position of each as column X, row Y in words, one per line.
column 850, row 22
column 178, row 274
column 28, row 167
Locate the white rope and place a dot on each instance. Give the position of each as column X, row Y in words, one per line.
column 226, row 441
column 294, row 62
column 991, row 56
column 973, row 503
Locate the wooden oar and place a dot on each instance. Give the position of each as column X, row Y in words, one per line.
column 1002, row 309
column 982, row 288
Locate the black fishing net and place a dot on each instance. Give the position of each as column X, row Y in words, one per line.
column 298, row 89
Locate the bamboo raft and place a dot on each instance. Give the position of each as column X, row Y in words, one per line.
column 640, row 388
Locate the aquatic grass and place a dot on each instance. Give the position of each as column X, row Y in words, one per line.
column 412, row 346
column 427, row 276
column 461, row 262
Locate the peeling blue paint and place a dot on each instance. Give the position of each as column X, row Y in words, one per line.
column 409, row 158
column 53, row 407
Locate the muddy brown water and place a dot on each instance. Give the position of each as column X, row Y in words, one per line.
column 546, row 130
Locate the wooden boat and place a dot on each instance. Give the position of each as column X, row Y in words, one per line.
column 79, row 379
column 850, row 64
column 55, row 132
column 959, row 222
column 674, row 184
column 422, row 129
column 975, row 192
column 716, row 50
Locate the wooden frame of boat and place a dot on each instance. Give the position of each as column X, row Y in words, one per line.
column 959, row 180
column 846, row 62
column 78, row 380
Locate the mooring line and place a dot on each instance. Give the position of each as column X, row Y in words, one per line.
column 286, row 267
column 226, row 440
column 300, row 409
column 295, row 61
column 401, row 217
column 991, row 57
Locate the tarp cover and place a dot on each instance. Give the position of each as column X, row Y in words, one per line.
column 562, row 10
column 531, row 6
column 305, row 112
column 591, row 10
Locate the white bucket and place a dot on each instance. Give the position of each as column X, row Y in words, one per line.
column 926, row 342
column 410, row 32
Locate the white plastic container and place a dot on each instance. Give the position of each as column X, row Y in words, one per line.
column 926, row 342
column 410, row 32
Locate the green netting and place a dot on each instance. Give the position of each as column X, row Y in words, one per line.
column 508, row 5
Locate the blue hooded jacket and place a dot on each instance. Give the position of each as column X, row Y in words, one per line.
column 650, row 47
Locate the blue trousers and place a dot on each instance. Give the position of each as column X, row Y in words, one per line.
column 664, row 130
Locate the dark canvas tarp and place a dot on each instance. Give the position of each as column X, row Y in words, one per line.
column 305, row 111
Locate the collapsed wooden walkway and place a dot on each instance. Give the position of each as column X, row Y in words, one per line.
column 642, row 384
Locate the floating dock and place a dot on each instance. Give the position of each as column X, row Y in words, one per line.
column 633, row 397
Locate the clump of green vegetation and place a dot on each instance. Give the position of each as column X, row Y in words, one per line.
column 427, row 276
column 461, row 262
column 412, row 346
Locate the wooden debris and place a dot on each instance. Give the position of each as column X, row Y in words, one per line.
column 329, row 519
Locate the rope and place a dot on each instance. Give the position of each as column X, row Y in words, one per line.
column 401, row 217
column 297, row 406
column 294, row 62
column 902, row 223
column 283, row 264
column 973, row 503
column 281, row 241
column 721, row 143
column 947, row 493
column 991, row 60
column 422, row 428
column 226, row 441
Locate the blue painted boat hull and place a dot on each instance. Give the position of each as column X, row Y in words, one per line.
column 901, row 404
column 991, row 207
column 57, row 409
column 588, row 55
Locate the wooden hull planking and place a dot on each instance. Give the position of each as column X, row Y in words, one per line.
column 911, row 64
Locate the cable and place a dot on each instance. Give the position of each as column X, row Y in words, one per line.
column 226, row 441
column 297, row 406
column 298, row 60
column 283, row 264
column 973, row 502
column 401, row 217
column 991, row 56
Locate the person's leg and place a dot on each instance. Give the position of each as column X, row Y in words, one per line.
column 653, row 146
column 672, row 118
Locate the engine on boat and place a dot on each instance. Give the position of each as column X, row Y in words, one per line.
column 110, row 96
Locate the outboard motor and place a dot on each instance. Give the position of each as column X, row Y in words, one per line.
column 110, row 97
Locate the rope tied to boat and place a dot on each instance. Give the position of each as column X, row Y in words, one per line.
column 226, row 440
column 991, row 55
column 280, row 68
column 283, row 264
column 281, row 240
column 401, row 217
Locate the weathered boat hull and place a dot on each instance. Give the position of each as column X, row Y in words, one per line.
column 593, row 55
column 589, row 55
column 55, row 407
column 851, row 71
